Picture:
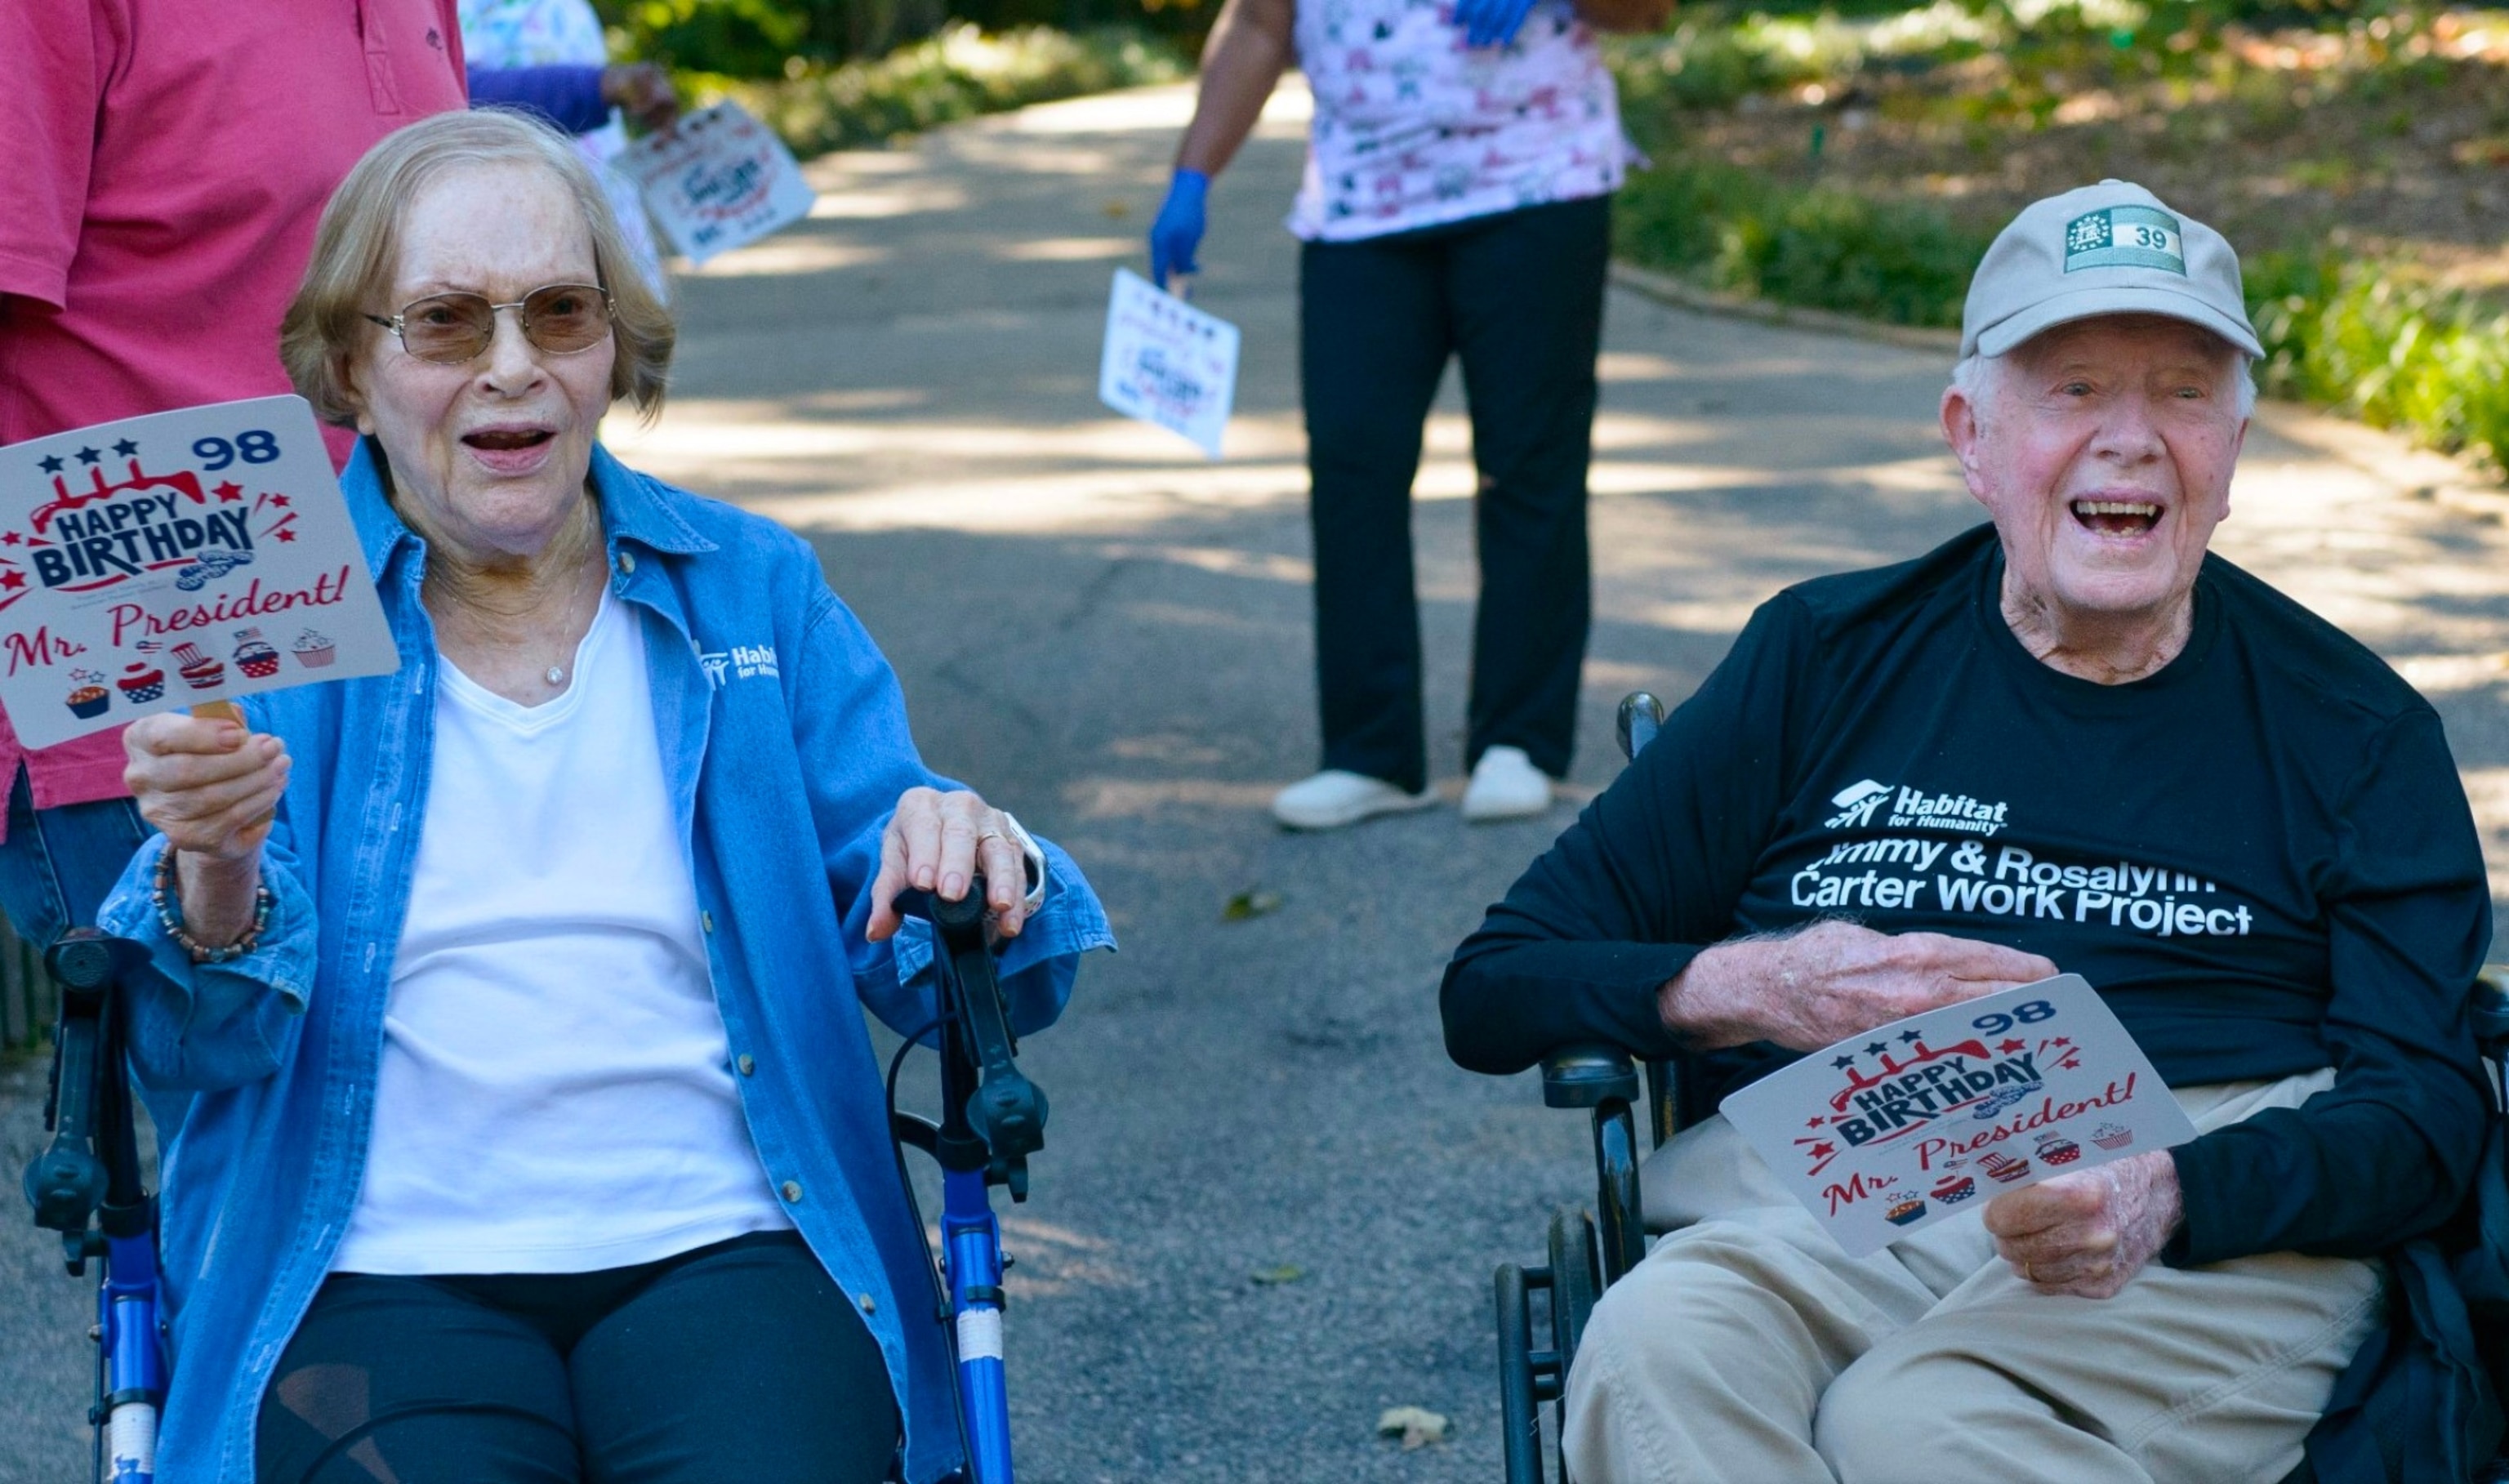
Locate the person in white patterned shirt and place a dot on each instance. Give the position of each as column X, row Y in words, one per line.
column 1456, row 204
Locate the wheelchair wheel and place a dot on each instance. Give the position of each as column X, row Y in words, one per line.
column 1529, row 1377
column 1576, row 1282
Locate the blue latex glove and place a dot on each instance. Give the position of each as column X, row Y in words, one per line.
column 1178, row 232
column 1490, row 23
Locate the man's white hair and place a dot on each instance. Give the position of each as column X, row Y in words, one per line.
column 1978, row 377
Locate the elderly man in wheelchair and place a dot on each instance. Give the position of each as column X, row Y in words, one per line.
column 2069, row 740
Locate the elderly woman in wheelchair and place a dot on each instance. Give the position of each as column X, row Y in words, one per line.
column 2070, row 739
column 503, row 1016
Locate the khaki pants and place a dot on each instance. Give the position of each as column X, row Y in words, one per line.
column 1748, row 1349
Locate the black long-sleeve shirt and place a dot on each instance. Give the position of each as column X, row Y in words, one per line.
column 2259, row 855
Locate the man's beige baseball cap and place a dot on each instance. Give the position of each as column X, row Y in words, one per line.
column 2111, row 249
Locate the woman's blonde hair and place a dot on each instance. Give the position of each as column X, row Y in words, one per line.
column 356, row 250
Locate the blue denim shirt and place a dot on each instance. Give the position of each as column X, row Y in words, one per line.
column 784, row 739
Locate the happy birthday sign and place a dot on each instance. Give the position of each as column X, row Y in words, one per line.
column 1166, row 362
column 1932, row 1116
column 163, row 561
column 718, row 179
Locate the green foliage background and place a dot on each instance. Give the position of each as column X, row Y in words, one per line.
column 2361, row 333
column 760, row 39
column 957, row 74
column 2353, row 333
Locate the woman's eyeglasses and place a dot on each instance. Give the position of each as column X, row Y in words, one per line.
column 452, row 329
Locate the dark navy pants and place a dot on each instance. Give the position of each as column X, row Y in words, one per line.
column 738, row 1361
column 1517, row 297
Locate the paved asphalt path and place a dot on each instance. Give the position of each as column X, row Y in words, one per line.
column 1111, row 636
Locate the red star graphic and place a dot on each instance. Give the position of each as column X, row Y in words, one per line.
column 2062, row 1041
column 288, row 536
column 230, row 492
column 1816, row 1122
column 12, row 581
column 2013, row 1048
column 278, row 501
column 10, row 539
column 1823, row 1151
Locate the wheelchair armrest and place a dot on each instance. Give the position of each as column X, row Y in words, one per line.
column 2492, row 1009
column 1585, row 1076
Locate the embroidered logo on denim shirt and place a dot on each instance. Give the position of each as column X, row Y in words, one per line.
column 739, row 662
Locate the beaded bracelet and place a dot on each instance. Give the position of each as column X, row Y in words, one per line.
column 171, row 918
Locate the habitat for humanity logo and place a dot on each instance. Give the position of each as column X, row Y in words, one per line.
column 1914, row 808
column 1857, row 804
column 739, row 662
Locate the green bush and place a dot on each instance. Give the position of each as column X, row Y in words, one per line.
column 2358, row 335
column 957, row 74
column 1827, row 249
column 761, row 39
column 2364, row 337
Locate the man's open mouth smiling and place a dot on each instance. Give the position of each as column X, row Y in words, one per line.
column 2118, row 517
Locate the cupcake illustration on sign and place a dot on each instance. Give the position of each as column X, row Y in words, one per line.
column 313, row 649
column 1999, row 1165
column 1953, row 1189
column 199, row 671
column 2111, row 1136
column 88, row 696
column 2055, row 1148
column 141, row 683
column 1905, row 1212
column 254, row 656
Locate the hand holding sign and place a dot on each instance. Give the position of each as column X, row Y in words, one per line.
column 1905, row 1123
column 211, row 543
column 208, row 783
column 2089, row 1234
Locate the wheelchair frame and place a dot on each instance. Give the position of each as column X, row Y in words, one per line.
column 1590, row 1250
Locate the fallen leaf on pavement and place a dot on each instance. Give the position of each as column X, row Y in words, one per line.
column 1249, row 903
column 1417, row 1427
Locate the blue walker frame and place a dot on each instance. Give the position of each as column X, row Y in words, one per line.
column 85, row 1183
column 993, row 1118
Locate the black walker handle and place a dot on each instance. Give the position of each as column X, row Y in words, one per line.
column 91, row 1164
column 1000, row 1118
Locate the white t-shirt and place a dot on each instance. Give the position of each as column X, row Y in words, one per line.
column 555, row 1093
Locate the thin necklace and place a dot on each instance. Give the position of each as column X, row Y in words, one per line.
column 556, row 675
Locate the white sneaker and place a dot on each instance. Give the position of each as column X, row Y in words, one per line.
column 1336, row 797
column 1506, row 785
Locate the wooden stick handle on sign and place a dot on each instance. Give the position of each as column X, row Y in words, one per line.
column 228, row 711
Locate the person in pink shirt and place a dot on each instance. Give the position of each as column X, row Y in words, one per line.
column 166, row 161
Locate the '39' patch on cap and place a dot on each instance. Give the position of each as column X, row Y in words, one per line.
column 2126, row 237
